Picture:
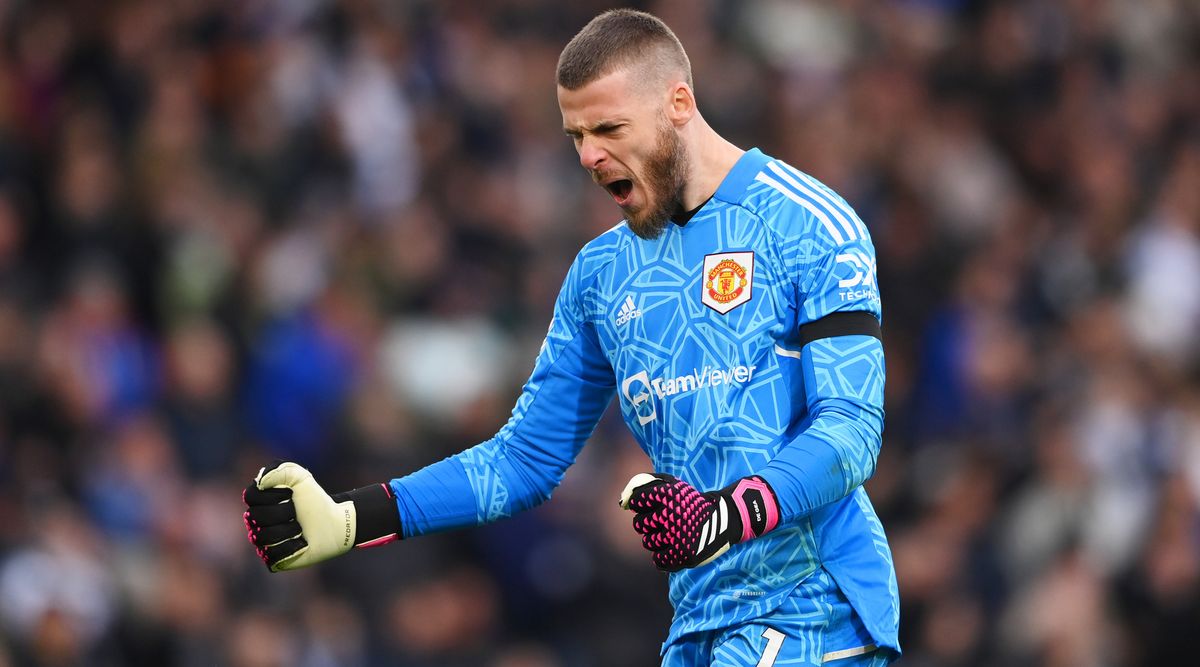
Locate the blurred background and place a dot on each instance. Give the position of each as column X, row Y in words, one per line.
column 332, row 231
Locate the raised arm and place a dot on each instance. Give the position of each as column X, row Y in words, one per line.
column 293, row 522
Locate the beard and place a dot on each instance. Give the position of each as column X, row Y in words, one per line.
column 664, row 180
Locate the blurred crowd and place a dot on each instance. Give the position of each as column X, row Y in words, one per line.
column 332, row 231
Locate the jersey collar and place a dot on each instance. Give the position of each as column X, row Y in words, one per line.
column 733, row 188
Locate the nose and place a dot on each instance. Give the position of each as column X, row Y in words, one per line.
column 591, row 155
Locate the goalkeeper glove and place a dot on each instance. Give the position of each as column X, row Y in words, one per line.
column 686, row 528
column 293, row 523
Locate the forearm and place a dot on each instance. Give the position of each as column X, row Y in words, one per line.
column 824, row 464
column 435, row 498
column 520, row 467
column 844, row 380
column 485, row 483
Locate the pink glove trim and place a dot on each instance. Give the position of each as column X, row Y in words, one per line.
column 378, row 541
column 771, row 508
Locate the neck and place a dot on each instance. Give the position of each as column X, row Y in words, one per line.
column 711, row 157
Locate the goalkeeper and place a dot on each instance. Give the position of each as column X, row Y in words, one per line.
column 734, row 313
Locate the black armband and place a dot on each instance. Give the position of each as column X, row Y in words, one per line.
column 848, row 323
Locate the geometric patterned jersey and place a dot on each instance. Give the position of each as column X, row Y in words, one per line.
column 697, row 333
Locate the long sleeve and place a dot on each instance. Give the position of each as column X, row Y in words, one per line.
column 844, row 379
column 843, row 369
column 568, row 391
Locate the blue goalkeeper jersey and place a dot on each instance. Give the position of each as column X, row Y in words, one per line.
column 735, row 345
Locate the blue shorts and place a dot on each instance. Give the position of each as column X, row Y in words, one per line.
column 815, row 626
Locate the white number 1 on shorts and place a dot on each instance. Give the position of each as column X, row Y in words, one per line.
column 774, row 643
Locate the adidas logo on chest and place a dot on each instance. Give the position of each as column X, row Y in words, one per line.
column 628, row 311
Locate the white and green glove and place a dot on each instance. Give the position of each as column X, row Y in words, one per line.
column 293, row 523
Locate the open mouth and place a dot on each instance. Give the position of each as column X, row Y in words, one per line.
column 620, row 189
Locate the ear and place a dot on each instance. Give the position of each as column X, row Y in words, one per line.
column 681, row 105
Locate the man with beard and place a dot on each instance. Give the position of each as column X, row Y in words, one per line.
column 734, row 313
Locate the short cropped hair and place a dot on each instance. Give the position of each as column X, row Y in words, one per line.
column 620, row 38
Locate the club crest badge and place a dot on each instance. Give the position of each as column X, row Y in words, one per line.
column 728, row 280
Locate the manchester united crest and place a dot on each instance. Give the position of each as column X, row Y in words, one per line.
column 728, row 280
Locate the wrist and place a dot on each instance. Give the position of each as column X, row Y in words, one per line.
column 754, row 503
column 377, row 519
